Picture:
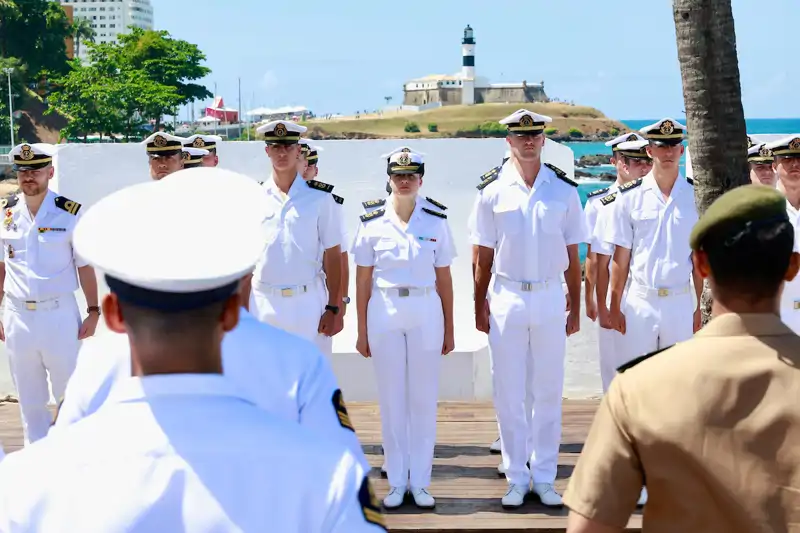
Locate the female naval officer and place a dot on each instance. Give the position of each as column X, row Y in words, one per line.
column 404, row 301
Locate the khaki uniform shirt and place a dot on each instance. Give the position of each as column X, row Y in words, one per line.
column 711, row 426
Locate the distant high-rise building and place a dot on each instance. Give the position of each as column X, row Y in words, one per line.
column 109, row 18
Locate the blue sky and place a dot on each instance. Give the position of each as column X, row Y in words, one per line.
column 346, row 55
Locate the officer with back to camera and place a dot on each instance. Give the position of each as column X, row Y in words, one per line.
column 40, row 272
column 178, row 446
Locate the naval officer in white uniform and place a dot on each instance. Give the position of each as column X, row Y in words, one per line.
column 178, row 447
column 40, row 272
column 786, row 153
column 291, row 288
column 528, row 222
column 193, row 157
column 164, row 154
column 632, row 162
column 205, row 142
column 760, row 160
column 308, row 168
column 404, row 301
column 280, row 372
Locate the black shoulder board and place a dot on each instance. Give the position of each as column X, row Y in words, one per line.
column 437, row 204
column 598, row 192
column 9, row 201
column 338, row 199
column 320, row 186
column 373, row 203
column 690, row 180
column 341, row 410
column 630, row 185
column 560, row 174
column 370, row 506
column 489, row 179
column 494, row 172
column 62, row 202
column 605, row 200
column 434, row 213
column 632, row 363
column 366, row 217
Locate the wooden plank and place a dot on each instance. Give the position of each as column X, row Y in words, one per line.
column 465, row 482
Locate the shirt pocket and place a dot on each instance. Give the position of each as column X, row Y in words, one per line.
column 645, row 225
column 508, row 219
column 551, row 217
column 55, row 250
column 14, row 247
column 390, row 253
column 301, row 229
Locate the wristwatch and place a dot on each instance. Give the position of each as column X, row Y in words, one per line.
column 93, row 309
column 333, row 309
column 346, row 300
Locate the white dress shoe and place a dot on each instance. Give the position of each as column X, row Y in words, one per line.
column 423, row 499
column 394, row 499
column 642, row 497
column 501, row 470
column 547, row 494
column 495, row 446
column 515, row 496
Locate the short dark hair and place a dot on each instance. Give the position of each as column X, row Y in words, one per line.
column 161, row 325
column 752, row 259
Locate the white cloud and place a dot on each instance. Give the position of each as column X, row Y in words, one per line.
column 269, row 80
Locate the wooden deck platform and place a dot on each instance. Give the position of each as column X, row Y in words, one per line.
column 465, row 484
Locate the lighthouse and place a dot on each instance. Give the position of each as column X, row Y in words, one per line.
column 468, row 67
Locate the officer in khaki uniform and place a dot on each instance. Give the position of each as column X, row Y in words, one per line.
column 711, row 424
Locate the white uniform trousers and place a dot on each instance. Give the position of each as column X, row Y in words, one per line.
column 527, row 340
column 655, row 319
column 293, row 308
column 406, row 334
column 610, row 356
column 42, row 340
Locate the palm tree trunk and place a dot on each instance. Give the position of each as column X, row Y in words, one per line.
column 713, row 98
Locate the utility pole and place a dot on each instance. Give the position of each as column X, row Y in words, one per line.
column 9, row 71
column 214, row 102
column 240, row 107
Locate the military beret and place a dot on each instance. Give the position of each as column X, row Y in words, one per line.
column 738, row 207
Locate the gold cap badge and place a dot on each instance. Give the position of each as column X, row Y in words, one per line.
column 185, row 156
column 404, row 160
column 27, row 152
column 160, row 141
column 765, row 152
column 794, row 144
column 526, row 121
column 632, row 137
column 199, row 143
column 280, row 130
column 667, row 127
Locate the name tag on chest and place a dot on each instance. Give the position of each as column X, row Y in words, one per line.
column 55, row 230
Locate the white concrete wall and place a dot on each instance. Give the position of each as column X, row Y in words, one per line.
column 86, row 173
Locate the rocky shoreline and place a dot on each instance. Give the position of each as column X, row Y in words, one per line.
column 596, row 160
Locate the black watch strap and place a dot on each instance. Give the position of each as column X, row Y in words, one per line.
column 93, row 309
column 333, row 309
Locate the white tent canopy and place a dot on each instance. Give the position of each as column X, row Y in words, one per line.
column 208, row 119
column 285, row 110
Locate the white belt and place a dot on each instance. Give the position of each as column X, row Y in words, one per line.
column 35, row 305
column 528, row 286
column 646, row 292
column 404, row 292
column 285, row 291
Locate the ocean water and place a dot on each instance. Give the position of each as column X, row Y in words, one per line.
column 754, row 126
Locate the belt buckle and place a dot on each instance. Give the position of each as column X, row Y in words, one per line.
column 663, row 292
column 30, row 306
column 527, row 286
column 404, row 291
column 287, row 292
column 796, row 305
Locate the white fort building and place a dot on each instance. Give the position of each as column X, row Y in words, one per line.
column 466, row 88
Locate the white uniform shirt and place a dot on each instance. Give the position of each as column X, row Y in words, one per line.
column 280, row 372
column 404, row 257
column 791, row 289
column 656, row 231
column 529, row 229
column 592, row 211
column 297, row 225
column 40, row 262
column 183, row 453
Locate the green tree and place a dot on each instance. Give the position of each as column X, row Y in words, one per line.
column 82, row 32
column 35, row 31
column 18, row 80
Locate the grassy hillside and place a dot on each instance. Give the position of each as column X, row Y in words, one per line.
column 450, row 120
